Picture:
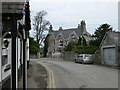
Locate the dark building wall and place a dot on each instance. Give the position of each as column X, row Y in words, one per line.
column 6, row 83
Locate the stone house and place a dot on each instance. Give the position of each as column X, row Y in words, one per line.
column 59, row 39
column 109, row 49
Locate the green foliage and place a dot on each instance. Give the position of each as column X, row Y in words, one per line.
column 84, row 41
column 79, row 41
column 99, row 34
column 81, row 47
column 45, row 49
column 34, row 46
column 70, row 46
column 85, row 49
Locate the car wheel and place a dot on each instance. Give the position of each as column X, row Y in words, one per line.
column 82, row 62
column 75, row 61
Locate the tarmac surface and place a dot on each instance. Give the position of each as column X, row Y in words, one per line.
column 67, row 74
column 76, row 75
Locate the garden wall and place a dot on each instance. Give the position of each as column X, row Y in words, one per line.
column 69, row 55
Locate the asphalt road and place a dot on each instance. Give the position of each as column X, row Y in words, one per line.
column 75, row 75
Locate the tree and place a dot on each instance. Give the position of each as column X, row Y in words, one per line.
column 34, row 46
column 84, row 41
column 99, row 34
column 85, row 49
column 40, row 26
column 45, row 50
column 70, row 46
column 79, row 41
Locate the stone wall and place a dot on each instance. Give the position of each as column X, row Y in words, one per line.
column 33, row 56
column 97, row 57
column 69, row 55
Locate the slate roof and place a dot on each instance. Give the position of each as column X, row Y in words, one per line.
column 66, row 32
column 114, row 36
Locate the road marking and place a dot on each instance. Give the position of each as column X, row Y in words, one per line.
column 51, row 81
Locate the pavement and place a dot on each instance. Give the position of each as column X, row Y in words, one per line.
column 37, row 76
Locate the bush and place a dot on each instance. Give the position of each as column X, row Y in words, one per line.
column 34, row 46
column 70, row 46
column 85, row 49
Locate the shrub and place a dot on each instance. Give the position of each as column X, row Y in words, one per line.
column 85, row 49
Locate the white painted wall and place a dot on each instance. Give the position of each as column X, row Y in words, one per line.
column 19, row 46
column 6, row 52
column 27, row 50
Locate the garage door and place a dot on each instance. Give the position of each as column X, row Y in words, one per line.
column 109, row 56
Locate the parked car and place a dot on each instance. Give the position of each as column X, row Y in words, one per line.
column 84, row 58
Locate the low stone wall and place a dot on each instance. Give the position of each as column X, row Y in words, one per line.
column 69, row 55
column 33, row 56
column 97, row 57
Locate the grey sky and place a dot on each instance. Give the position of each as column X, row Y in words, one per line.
column 68, row 14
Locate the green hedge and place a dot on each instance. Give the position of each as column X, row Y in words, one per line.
column 85, row 49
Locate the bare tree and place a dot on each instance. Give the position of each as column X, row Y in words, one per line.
column 40, row 26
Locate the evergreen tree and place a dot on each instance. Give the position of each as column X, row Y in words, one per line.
column 79, row 41
column 99, row 34
column 34, row 46
column 84, row 41
column 45, row 49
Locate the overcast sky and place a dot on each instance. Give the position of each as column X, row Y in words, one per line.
column 69, row 13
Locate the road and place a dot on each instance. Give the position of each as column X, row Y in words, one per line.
column 75, row 75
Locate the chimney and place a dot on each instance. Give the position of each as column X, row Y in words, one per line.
column 83, row 26
column 50, row 29
column 60, row 29
column 79, row 26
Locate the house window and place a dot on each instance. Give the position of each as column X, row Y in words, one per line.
column 60, row 43
column 66, row 42
column 72, row 34
column 73, row 37
column 4, row 56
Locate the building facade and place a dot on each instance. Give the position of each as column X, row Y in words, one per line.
column 57, row 40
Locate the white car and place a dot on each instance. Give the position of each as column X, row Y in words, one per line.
column 83, row 58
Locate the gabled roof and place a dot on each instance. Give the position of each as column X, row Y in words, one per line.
column 113, row 35
column 66, row 32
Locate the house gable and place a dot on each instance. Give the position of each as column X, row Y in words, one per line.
column 73, row 37
column 110, row 38
column 107, row 41
column 60, row 36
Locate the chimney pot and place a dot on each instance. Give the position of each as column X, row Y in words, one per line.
column 51, row 28
column 60, row 29
column 78, row 25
